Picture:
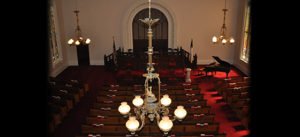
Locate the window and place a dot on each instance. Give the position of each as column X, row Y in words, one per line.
column 54, row 42
column 247, row 31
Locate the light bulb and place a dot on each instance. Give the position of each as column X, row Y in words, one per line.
column 70, row 41
column 214, row 39
column 165, row 124
column 88, row 41
column 180, row 112
column 166, row 101
column 224, row 41
column 124, row 108
column 231, row 41
column 137, row 101
column 77, row 42
column 132, row 124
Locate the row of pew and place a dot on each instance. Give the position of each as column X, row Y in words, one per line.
column 64, row 95
column 235, row 92
column 105, row 120
column 128, row 77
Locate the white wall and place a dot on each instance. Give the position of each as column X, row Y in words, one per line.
column 198, row 19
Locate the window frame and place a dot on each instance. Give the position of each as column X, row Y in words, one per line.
column 245, row 45
column 55, row 51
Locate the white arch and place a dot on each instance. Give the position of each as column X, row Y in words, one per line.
column 139, row 5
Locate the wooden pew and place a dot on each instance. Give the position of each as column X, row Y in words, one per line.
column 109, row 111
column 163, row 86
column 222, row 82
column 56, row 114
column 156, row 135
column 137, row 92
column 236, row 90
column 236, row 96
column 208, row 118
column 116, row 104
column 224, row 88
column 75, row 84
column 191, row 129
column 181, row 97
column 67, row 97
column 75, row 92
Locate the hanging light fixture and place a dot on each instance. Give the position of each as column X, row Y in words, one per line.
column 79, row 39
column 223, row 38
column 150, row 106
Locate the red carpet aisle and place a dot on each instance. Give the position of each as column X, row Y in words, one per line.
column 224, row 114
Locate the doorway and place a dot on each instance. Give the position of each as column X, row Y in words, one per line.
column 159, row 31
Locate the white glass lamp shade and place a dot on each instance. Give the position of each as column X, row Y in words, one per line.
column 165, row 124
column 165, row 100
column 70, row 41
column 231, row 41
column 88, row 41
column 124, row 108
column 180, row 112
column 132, row 124
column 80, row 38
column 214, row 39
column 224, row 41
column 138, row 101
column 77, row 42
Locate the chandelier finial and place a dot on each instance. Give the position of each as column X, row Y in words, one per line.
column 149, row 9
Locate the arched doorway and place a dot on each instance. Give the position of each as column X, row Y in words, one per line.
column 136, row 7
column 159, row 31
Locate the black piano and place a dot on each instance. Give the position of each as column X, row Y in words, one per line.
column 223, row 66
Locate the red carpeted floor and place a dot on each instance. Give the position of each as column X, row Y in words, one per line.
column 96, row 76
column 223, row 113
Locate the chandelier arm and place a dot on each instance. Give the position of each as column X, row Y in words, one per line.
column 158, row 79
column 165, row 111
column 157, row 117
column 137, row 112
column 146, row 90
column 142, row 118
column 174, row 118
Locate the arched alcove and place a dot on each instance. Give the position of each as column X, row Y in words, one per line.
column 159, row 32
column 136, row 7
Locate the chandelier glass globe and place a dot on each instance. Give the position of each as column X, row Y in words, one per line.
column 138, row 101
column 180, row 112
column 165, row 100
column 132, row 124
column 124, row 108
column 165, row 124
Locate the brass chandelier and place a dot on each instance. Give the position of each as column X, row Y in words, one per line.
column 223, row 38
column 150, row 106
column 79, row 39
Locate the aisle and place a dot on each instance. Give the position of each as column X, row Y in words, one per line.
column 223, row 113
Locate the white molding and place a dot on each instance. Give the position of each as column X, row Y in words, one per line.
column 57, row 70
column 73, row 63
column 243, row 67
column 97, row 62
column 208, row 61
column 136, row 7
